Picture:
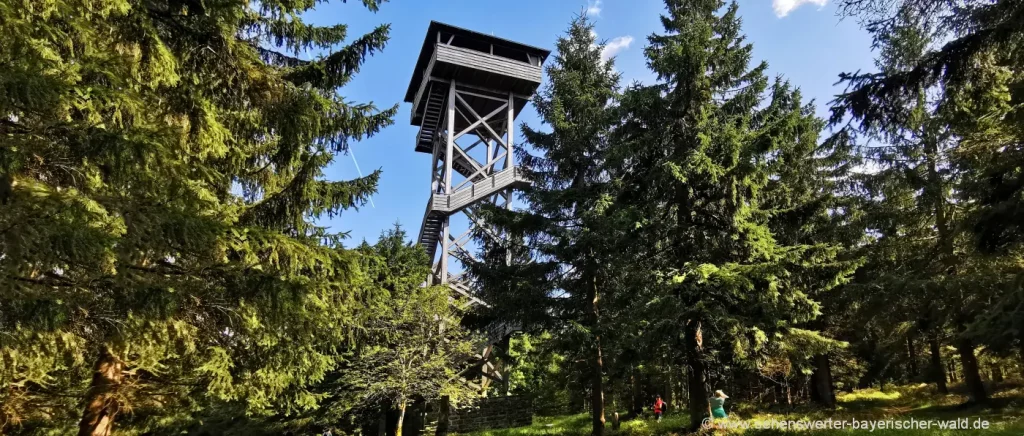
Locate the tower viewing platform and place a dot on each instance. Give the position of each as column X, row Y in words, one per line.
column 493, row 66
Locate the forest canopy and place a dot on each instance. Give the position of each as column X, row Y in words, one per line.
column 165, row 266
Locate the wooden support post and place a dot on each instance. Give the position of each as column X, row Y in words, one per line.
column 449, row 138
column 490, row 156
column 510, row 133
column 509, row 166
column 448, row 156
column 435, row 176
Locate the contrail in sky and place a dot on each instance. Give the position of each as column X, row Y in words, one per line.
column 353, row 154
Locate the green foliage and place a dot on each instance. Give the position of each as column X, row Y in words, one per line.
column 565, row 227
column 415, row 343
column 568, row 228
column 539, row 371
column 161, row 172
column 946, row 115
column 725, row 175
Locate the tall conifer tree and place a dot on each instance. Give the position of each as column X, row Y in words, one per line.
column 695, row 160
column 161, row 172
column 566, row 225
column 949, row 116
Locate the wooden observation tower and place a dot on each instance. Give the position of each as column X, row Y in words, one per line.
column 466, row 92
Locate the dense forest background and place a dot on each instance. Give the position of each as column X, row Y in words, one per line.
column 162, row 270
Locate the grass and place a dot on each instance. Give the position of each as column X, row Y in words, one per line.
column 1005, row 415
column 580, row 425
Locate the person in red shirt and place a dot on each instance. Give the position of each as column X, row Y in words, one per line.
column 659, row 408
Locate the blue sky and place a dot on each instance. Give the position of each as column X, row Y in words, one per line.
column 803, row 40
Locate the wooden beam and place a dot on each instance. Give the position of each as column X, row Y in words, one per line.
column 510, row 133
column 449, row 145
column 483, row 88
column 474, row 94
column 482, row 169
column 480, row 120
column 488, row 126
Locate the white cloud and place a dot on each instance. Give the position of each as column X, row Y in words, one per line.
column 594, row 8
column 616, row 45
column 784, row 7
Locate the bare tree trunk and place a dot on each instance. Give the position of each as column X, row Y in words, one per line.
column 821, row 382
column 1021, row 362
column 912, row 356
column 972, row 376
column 101, row 405
column 938, row 371
column 597, row 391
column 638, row 402
column 401, row 417
column 669, row 398
column 997, row 373
column 597, row 363
column 692, row 338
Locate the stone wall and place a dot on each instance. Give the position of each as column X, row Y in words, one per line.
column 491, row 413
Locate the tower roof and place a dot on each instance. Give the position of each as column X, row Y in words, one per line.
column 468, row 38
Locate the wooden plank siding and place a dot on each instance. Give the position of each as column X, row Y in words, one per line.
column 475, row 69
column 467, row 58
column 464, row 197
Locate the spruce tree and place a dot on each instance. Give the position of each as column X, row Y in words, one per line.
column 160, row 178
column 812, row 201
column 696, row 163
column 566, row 225
column 946, row 117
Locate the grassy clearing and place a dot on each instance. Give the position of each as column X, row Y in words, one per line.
column 580, row 425
column 920, row 402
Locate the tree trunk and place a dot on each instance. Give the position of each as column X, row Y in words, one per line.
column 912, row 356
column 401, row 417
column 821, row 382
column 669, row 398
column 597, row 391
column 638, row 402
column 597, row 363
column 972, row 376
column 100, row 404
column 1021, row 362
column 997, row 373
column 506, row 345
column 938, row 371
column 443, row 416
column 692, row 338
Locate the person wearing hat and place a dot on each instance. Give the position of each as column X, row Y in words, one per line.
column 716, row 405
